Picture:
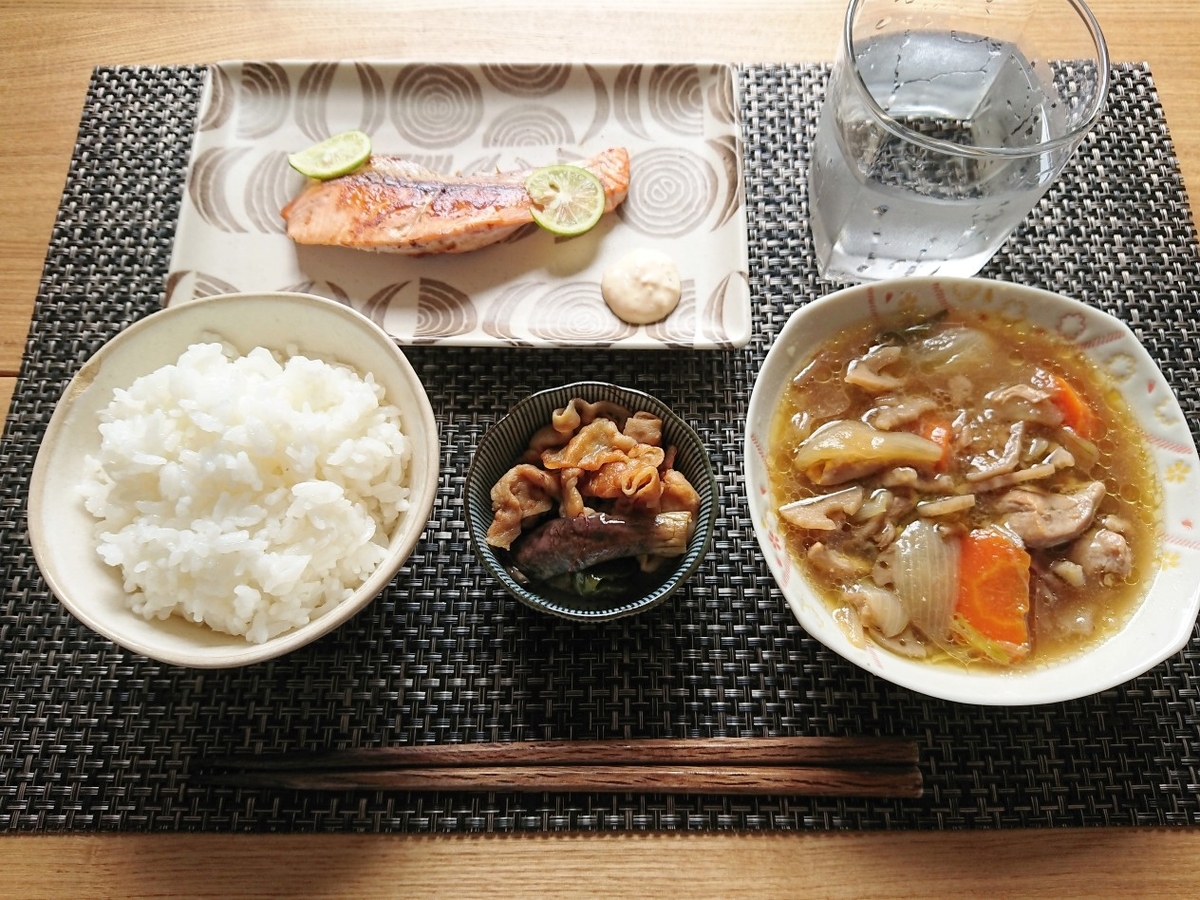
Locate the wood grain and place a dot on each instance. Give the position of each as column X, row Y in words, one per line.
column 1063, row 864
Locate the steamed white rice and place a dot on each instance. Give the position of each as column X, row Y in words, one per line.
column 249, row 493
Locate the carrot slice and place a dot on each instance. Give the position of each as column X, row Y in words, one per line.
column 941, row 432
column 1077, row 414
column 991, row 612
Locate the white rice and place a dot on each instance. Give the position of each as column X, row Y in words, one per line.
column 249, row 493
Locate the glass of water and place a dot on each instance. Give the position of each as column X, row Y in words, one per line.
column 944, row 123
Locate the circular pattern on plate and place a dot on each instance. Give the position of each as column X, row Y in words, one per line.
column 529, row 125
column 676, row 99
column 580, row 314
column 671, row 192
column 442, row 311
column 265, row 97
column 528, row 80
column 436, row 106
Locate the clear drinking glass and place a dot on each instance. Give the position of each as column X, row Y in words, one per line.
column 944, row 123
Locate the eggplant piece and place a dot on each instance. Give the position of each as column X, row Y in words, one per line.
column 575, row 543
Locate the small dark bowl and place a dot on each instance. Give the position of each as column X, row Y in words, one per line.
column 504, row 443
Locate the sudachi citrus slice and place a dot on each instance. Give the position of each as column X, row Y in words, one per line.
column 333, row 156
column 567, row 200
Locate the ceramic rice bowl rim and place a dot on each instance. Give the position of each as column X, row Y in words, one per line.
column 504, row 442
column 61, row 537
column 1164, row 622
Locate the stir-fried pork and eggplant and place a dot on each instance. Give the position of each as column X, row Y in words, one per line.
column 967, row 489
column 594, row 507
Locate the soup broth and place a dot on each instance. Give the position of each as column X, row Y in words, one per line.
column 965, row 489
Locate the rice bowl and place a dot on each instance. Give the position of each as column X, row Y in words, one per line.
column 249, row 493
column 268, row 463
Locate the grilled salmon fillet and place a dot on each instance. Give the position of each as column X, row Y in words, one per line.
column 394, row 205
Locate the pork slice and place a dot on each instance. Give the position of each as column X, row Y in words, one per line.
column 1103, row 552
column 1045, row 519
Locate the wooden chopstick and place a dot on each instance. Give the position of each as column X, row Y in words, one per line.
column 813, row 781
column 811, row 766
column 793, row 751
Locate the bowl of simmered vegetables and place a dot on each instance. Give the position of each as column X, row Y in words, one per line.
column 591, row 501
column 977, row 490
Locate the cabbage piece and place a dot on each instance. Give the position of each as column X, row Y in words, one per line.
column 954, row 349
column 847, row 449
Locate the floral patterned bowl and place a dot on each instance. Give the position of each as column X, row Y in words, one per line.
column 1164, row 621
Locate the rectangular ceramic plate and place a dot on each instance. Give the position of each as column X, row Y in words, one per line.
column 680, row 124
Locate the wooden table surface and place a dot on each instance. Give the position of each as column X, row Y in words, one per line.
column 47, row 52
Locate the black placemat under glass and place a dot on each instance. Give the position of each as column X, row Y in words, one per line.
column 93, row 737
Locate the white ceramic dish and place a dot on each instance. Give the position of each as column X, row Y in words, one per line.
column 62, row 531
column 1164, row 622
column 680, row 124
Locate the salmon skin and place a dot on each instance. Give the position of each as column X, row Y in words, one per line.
column 394, row 205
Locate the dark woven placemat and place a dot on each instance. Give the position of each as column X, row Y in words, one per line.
column 95, row 738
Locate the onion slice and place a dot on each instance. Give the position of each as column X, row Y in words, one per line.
column 924, row 573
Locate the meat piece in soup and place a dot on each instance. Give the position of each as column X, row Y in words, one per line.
column 965, row 488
